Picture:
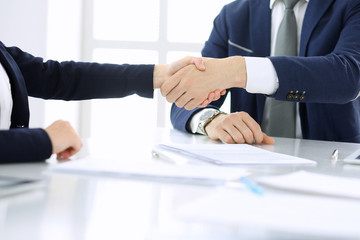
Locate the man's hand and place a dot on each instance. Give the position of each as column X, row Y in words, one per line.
column 65, row 141
column 189, row 87
column 164, row 72
column 237, row 127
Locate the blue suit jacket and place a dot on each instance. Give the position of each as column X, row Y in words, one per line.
column 327, row 70
column 30, row 76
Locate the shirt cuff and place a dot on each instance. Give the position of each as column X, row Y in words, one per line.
column 261, row 76
column 195, row 120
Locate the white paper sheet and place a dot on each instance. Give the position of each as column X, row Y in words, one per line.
column 290, row 213
column 154, row 170
column 235, row 154
column 303, row 181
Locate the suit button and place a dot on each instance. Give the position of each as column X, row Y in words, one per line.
column 296, row 96
column 303, row 96
column 20, row 126
column 290, row 96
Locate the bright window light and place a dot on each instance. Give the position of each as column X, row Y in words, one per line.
column 192, row 21
column 135, row 20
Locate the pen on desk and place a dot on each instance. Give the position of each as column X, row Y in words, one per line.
column 335, row 155
column 252, row 186
column 160, row 155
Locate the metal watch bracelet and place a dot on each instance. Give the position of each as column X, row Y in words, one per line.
column 210, row 119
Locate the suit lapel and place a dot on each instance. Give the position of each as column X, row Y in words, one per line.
column 260, row 22
column 315, row 10
column 20, row 111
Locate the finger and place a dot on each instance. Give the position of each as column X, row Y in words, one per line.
column 179, row 64
column 192, row 104
column 217, row 95
column 245, row 131
column 204, row 103
column 64, row 155
column 254, row 127
column 267, row 139
column 169, row 85
column 199, row 63
column 182, row 100
column 223, row 92
column 235, row 134
column 175, row 94
column 211, row 97
column 226, row 137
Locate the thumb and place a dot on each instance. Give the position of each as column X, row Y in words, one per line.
column 268, row 140
column 199, row 63
column 181, row 63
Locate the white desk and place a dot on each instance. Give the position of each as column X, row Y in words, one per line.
column 92, row 207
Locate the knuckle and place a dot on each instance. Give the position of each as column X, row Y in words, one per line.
column 218, row 128
column 233, row 117
column 244, row 114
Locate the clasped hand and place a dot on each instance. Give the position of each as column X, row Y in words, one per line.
column 191, row 85
column 170, row 77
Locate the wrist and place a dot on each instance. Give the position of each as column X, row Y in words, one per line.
column 237, row 71
column 213, row 122
column 159, row 75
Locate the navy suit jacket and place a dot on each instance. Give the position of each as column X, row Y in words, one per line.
column 31, row 76
column 327, row 69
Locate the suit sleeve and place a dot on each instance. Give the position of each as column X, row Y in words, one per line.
column 215, row 47
column 333, row 78
column 24, row 145
column 80, row 81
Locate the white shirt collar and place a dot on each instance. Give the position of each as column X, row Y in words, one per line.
column 272, row 2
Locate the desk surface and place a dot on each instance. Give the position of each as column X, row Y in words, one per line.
column 97, row 207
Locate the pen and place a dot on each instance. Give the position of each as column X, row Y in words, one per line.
column 252, row 186
column 167, row 157
column 335, row 155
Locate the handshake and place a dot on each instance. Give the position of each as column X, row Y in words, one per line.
column 195, row 82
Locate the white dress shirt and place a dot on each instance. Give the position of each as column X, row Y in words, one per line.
column 6, row 102
column 266, row 80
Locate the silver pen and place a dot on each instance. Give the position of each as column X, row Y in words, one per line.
column 335, row 155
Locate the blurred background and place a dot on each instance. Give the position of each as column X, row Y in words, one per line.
column 108, row 31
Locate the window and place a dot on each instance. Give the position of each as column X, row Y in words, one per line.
column 141, row 31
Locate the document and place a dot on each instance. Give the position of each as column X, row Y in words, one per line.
column 306, row 215
column 308, row 182
column 152, row 170
column 234, row 154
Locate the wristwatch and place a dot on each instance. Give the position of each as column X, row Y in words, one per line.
column 205, row 119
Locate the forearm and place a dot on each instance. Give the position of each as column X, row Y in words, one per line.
column 328, row 79
column 80, row 80
column 24, row 145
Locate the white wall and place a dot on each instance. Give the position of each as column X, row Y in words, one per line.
column 64, row 36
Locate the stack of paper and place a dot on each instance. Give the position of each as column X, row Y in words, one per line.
column 235, row 154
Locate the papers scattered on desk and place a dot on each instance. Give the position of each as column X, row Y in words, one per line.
column 315, row 183
column 153, row 170
column 235, row 154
